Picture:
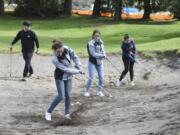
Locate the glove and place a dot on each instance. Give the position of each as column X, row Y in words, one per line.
column 81, row 72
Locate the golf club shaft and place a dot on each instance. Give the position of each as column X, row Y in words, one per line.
column 98, row 85
column 10, row 63
column 113, row 65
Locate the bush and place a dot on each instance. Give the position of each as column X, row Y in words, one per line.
column 175, row 8
column 39, row 8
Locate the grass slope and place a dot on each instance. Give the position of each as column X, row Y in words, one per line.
column 76, row 31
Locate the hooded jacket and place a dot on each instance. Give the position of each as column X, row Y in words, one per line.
column 64, row 69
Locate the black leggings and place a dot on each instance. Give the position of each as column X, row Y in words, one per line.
column 128, row 66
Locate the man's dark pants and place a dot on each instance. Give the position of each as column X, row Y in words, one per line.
column 27, row 56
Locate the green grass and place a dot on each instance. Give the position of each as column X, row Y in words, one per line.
column 76, row 32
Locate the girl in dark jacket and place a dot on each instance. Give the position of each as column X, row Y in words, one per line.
column 128, row 56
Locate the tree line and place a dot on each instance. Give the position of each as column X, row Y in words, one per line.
column 44, row 8
column 149, row 7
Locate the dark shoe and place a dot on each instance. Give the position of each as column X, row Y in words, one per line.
column 24, row 79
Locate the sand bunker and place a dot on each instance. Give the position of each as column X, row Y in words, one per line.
column 152, row 107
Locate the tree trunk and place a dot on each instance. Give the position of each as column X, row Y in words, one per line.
column 147, row 9
column 68, row 7
column 154, row 6
column 96, row 10
column 108, row 3
column 118, row 10
column 1, row 7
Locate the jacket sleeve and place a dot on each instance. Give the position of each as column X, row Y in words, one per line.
column 62, row 67
column 36, row 40
column 134, row 47
column 131, row 58
column 17, row 38
column 75, row 59
column 94, row 53
column 103, row 51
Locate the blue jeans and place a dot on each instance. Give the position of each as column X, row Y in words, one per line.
column 64, row 91
column 91, row 71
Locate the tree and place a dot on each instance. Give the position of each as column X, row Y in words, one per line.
column 97, row 8
column 68, row 7
column 154, row 6
column 170, row 5
column 176, row 8
column 118, row 10
column 39, row 8
column 1, row 7
column 147, row 9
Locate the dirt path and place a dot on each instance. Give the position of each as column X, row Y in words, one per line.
column 152, row 107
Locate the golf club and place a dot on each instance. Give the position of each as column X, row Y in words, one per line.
column 10, row 72
column 113, row 64
column 107, row 93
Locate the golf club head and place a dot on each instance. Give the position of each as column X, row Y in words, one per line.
column 108, row 94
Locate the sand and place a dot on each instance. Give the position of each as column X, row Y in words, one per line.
column 152, row 107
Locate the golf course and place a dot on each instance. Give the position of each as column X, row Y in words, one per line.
column 90, row 67
column 151, row 107
column 76, row 32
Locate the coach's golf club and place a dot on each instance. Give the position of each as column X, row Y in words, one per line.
column 10, row 68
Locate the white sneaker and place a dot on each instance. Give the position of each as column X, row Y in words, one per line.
column 31, row 76
column 100, row 94
column 48, row 116
column 67, row 116
column 86, row 94
column 132, row 83
column 118, row 83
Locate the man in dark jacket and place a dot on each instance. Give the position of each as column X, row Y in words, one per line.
column 28, row 40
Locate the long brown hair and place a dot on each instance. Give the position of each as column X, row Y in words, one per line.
column 56, row 44
column 94, row 32
column 126, row 36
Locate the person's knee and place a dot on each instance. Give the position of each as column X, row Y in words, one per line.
column 67, row 96
column 90, row 77
column 68, row 99
column 90, row 80
column 60, row 97
column 126, row 71
column 27, row 62
column 101, row 79
column 131, row 70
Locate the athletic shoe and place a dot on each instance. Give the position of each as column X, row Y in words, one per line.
column 67, row 116
column 48, row 116
column 30, row 76
column 132, row 83
column 118, row 83
column 24, row 79
column 100, row 94
column 86, row 94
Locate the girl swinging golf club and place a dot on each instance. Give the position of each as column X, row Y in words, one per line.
column 128, row 56
column 61, row 58
column 96, row 53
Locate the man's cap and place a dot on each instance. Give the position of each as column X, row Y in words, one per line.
column 26, row 23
